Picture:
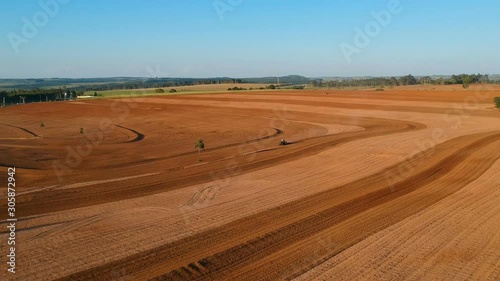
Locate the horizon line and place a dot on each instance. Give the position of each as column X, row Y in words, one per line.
column 249, row 77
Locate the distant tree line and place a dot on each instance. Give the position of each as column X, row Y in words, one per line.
column 37, row 95
column 269, row 87
column 158, row 83
column 127, row 83
column 29, row 93
column 464, row 79
column 9, row 84
column 289, row 79
column 177, row 82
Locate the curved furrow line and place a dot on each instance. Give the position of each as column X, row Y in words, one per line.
column 408, row 198
column 212, row 149
column 138, row 136
column 231, row 261
column 52, row 201
column 218, row 252
column 23, row 129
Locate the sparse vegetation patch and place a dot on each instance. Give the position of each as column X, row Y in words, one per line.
column 496, row 100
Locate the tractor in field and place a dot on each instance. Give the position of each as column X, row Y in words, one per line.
column 284, row 142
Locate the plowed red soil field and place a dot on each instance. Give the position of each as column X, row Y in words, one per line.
column 401, row 184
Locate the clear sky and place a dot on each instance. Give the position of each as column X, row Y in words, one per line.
column 247, row 38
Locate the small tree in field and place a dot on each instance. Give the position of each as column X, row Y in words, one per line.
column 200, row 145
column 497, row 102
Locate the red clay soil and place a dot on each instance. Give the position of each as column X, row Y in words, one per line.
column 247, row 208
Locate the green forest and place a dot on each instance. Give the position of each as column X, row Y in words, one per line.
column 464, row 79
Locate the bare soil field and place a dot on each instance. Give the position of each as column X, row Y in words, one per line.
column 400, row 184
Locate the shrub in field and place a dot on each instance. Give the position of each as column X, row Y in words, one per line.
column 159, row 91
column 172, row 91
column 465, row 85
column 379, row 89
column 200, row 145
column 496, row 100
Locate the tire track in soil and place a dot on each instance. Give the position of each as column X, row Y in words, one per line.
column 139, row 136
column 232, row 260
column 188, row 259
column 277, row 133
column 53, row 201
column 23, row 129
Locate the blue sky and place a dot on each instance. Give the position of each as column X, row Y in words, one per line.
column 247, row 38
